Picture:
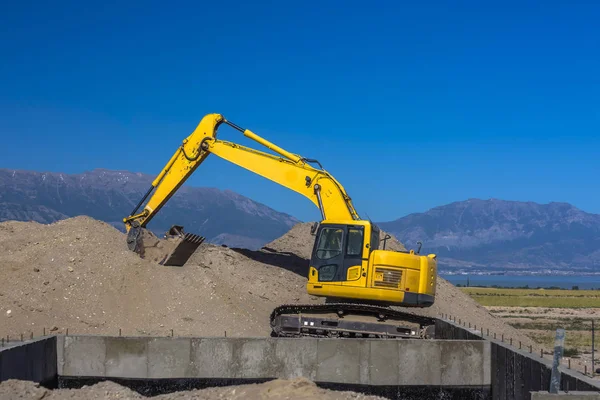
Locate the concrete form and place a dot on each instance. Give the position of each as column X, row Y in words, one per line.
column 516, row 374
column 348, row 361
column 33, row 361
column 461, row 365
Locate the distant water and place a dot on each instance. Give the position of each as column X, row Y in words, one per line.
column 545, row 281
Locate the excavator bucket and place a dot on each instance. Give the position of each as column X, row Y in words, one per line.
column 174, row 250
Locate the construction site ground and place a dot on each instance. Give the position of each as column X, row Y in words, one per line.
column 279, row 389
column 78, row 274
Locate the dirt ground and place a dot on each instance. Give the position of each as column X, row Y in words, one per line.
column 296, row 389
column 540, row 324
column 78, row 274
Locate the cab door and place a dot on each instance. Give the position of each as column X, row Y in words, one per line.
column 355, row 262
column 338, row 254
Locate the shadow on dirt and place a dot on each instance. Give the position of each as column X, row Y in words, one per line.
column 285, row 260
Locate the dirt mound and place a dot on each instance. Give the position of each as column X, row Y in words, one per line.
column 78, row 274
column 279, row 389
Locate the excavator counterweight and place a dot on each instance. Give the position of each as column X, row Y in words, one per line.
column 360, row 281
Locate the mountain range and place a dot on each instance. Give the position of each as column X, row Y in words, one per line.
column 223, row 217
column 500, row 234
column 469, row 235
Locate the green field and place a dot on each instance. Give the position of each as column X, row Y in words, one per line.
column 555, row 298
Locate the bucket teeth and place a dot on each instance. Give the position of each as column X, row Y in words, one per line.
column 174, row 250
column 184, row 249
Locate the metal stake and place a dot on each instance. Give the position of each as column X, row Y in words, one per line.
column 559, row 343
column 593, row 349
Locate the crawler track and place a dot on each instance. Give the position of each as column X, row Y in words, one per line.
column 348, row 320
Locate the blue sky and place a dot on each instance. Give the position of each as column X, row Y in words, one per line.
column 409, row 105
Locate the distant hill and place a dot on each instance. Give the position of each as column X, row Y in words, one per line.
column 500, row 234
column 472, row 234
column 223, row 217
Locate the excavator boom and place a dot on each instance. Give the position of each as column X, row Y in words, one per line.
column 287, row 169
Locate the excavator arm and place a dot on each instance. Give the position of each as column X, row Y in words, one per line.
column 287, row 169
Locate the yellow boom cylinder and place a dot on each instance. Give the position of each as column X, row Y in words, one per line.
column 249, row 134
column 166, row 168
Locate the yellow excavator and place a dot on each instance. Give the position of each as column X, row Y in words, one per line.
column 360, row 281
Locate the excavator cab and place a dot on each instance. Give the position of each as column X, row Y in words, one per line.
column 338, row 252
column 346, row 257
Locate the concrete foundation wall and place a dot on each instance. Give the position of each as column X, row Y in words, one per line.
column 516, row 373
column 34, row 360
column 349, row 361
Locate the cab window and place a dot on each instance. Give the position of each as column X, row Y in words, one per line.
column 355, row 242
column 330, row 243
column 374, row 239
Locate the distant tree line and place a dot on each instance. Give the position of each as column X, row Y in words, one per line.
column 523, row 287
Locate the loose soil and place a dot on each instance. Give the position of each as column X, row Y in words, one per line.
column 78, row 274
column 279, row 389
